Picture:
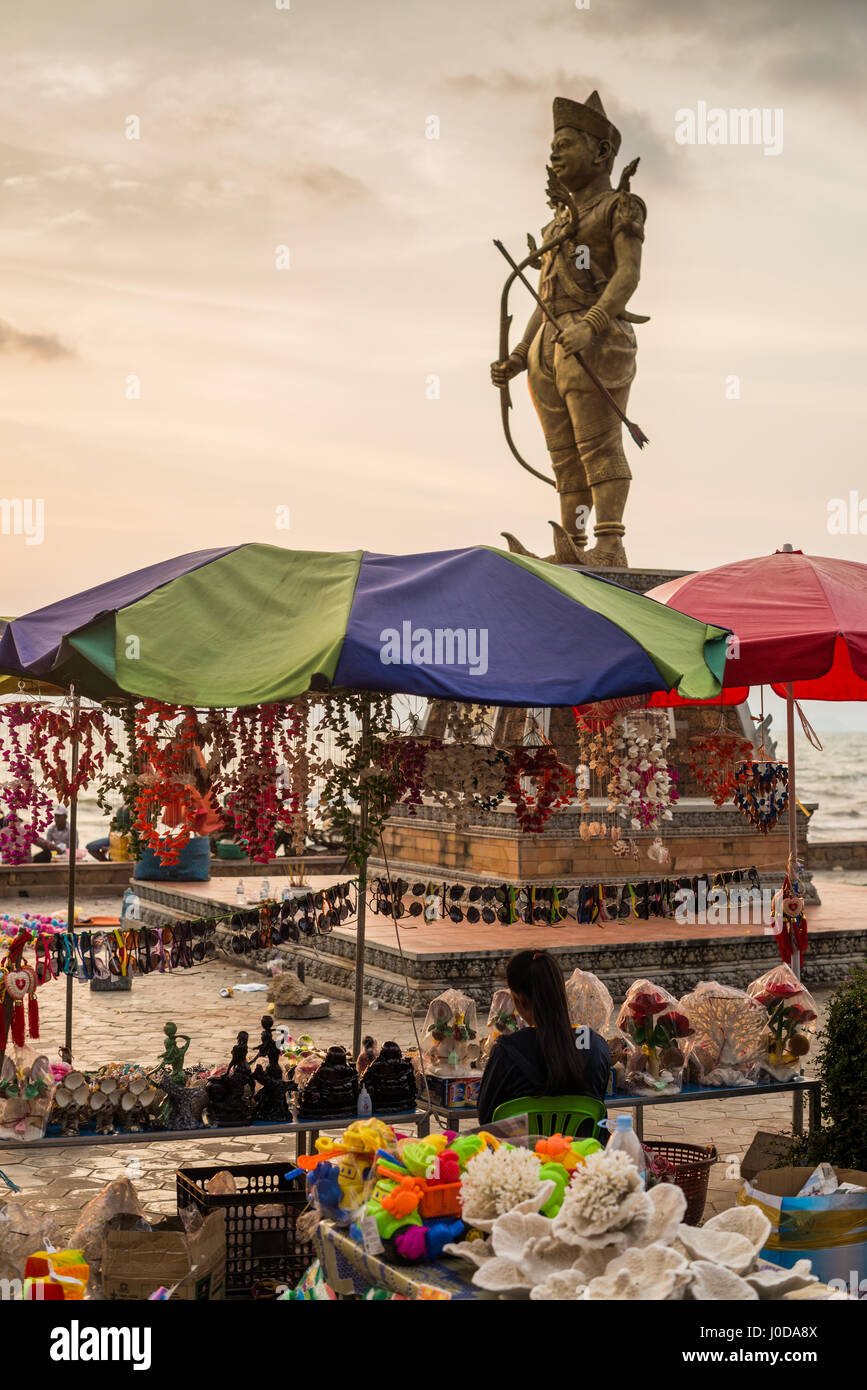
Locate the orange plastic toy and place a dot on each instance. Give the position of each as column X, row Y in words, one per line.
column 404, row 1198
column 558, row 1149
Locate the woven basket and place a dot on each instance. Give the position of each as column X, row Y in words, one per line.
column 692, row 1164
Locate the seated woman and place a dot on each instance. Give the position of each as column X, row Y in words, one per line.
column 542, row 1060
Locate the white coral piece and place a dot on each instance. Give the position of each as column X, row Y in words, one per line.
column 667, row 1206
column 567, row 1286
column 476, row 1251
column 544, row 1256
column 532, row 1204
column 613, row 1288
column 776, row 1283
column 512, row 1232
column 657, row 1273
column 726, row 1248
column 713, row 1283
column 604, row 1195
column 500, row 1275
column 748, row 1220
column 500, row 1180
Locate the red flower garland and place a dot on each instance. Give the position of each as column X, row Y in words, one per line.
column 555, row 785
column 713, row 759
column 167, row 788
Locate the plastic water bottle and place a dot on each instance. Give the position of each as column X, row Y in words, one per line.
column 264, row 890
column 131, row 906
column 240, row 895
column 286, row 895
column 365, row 1104
column 624, row 1138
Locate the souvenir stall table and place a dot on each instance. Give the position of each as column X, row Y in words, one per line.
column 306, row 1133
column 349, row 1270
column 799, row 1086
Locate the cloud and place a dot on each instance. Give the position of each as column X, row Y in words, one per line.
column 46, row 346
column 326, row 181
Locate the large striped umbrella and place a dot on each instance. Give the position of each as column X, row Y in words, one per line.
column 253, row 624
column 801, row 624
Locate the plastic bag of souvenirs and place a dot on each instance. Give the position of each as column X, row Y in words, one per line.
column 729, row 1035
column 589, row 1002
column 449, row 1041
column 792, row 1018
column 503, row 1017
column 656, row 1026
column 22, row 1232
column 116, row 1198
column 26, row 1092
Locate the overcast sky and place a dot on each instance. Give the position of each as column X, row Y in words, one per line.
column 264, row 388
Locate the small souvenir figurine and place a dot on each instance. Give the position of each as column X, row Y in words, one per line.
column 269, row 1101
column 333, row 1088
column 230, row 1098
column 173, row 1055
column 181, row 1103
column 239, row 1065
column 390, row 1080
column 267, row 1046
column 368, row 1053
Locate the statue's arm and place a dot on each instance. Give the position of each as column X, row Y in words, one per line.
column 627, row 273
column 516, row 362
column 534, row 323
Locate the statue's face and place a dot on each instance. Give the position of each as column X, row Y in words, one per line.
column 573, row 159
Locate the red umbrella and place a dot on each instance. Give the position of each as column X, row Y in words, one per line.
column 800, row 625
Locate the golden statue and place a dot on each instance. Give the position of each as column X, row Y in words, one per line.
column 579, row 345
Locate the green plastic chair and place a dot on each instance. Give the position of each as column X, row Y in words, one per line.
column 547, row 1115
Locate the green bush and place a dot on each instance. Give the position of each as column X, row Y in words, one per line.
column 842, row 1067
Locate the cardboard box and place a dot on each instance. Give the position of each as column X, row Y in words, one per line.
column 454, row 1092
column 829, row 1231
column 135, row 1263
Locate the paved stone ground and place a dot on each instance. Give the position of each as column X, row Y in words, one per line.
column 128, row 1027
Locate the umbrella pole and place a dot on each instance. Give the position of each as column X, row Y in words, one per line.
column 362, row 895
column 70, row 883
column 793, row 802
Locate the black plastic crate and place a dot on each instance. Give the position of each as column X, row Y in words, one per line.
column 257, row 1247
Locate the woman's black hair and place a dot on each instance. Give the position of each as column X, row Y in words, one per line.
column 535, row 976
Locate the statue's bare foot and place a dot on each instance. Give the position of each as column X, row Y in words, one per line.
column 568, row 549
column 606, row 557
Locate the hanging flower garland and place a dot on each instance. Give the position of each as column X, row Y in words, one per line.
column 24, row 802
column 554, row 785
column 647, row 786
column 165, row 738
column 403, row 759
column 713, row 760
column 260, row 794
column 597, row 774
column 37, row 752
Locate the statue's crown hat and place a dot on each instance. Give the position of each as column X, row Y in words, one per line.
column 588, row 116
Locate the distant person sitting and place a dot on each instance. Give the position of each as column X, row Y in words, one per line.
column 115, row 845
column 543, row 1059
column 55, row 841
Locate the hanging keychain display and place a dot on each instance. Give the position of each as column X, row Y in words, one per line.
column 762, row 792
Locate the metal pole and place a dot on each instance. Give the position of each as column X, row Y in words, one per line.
column 70, row 895
column 362, row 894
column 793, row 803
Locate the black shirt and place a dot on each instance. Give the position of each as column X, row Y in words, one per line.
column 515, row 1068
